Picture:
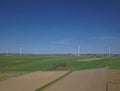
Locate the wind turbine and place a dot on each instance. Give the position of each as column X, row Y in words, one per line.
column 102, row 53
column 75, row 51
column 109, row 51
column 36, row 52
column 7, row 52
column 20, row 51
column 78, row 50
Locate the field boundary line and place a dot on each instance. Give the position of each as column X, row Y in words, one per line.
column 107, row 86
column 52, row 82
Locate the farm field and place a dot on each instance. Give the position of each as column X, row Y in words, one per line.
column 59, row 45
column 31, row 81
column 113, row 80
column 11, row 67
column 16, row 65
column 86, row 80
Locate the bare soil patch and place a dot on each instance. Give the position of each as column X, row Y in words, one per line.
column 60, row 66
column 30, row 82
column 86, row 80
column 113, row 80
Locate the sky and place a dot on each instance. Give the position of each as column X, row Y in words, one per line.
column 58, row 26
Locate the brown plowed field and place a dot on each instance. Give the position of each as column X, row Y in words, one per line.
column 114, row 80
column 30, row 82
column 86, row 80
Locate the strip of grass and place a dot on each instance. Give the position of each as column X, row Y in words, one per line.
column 30, row 63
column 42, row 63
column 13, row 65
column 110, row 62
column 45, row 86
column 106, row 86
column 5, row 75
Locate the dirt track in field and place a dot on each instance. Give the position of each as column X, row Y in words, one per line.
column 86, row 80
column 89, row 59
column 114, row 80
column 31, row 81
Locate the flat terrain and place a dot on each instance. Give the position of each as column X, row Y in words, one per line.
column 86, row 80
column 114, row 80
column 31, row 63
column 31, row 81
column 31, row 68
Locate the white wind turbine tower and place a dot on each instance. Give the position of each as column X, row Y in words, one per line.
column 102, row 53
column 36, row 52
column 20, row 51
column 78, row 51
column 109, row 51
column 7, row 52
column 75, row 51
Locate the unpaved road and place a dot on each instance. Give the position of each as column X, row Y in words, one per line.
column 86, row 80
column 30, row 82
column 89, row 59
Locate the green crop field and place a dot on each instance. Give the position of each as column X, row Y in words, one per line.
column 16, row 65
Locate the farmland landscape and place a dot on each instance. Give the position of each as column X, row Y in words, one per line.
column 59, row 45
column 17, row 67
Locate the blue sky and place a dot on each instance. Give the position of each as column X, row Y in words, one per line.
column 58, row 26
